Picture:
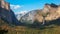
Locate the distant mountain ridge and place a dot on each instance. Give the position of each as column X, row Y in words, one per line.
column 29, row 16
column 53, row 9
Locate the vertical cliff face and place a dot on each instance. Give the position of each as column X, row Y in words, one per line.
column 58, row 10
column 52, row 9
column 4, row 5
column 6, row 13
column 13, row 18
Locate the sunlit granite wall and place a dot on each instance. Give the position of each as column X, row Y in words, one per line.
column 4, row 4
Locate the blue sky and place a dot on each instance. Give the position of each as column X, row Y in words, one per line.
column 27, row 5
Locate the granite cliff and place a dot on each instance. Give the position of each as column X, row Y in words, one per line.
column 7, row 14
column 53, row 11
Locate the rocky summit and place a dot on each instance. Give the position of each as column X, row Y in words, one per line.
column 53, row 11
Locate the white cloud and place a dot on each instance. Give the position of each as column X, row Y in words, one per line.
column 15, row 6
column 21, row 12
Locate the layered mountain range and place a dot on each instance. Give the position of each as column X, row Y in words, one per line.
column 6, row 14
column 53, row 11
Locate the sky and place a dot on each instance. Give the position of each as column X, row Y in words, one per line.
column 22, row 6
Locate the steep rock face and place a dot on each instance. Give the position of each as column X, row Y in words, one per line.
column 6, row 13
column 8, row 16
column 54, row 12
column 52, row 9
column 13, row 18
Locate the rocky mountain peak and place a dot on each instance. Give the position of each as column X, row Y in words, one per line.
column 52, row 9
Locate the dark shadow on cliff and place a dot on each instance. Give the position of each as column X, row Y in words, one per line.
column 55, row 22
column 5, row 14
